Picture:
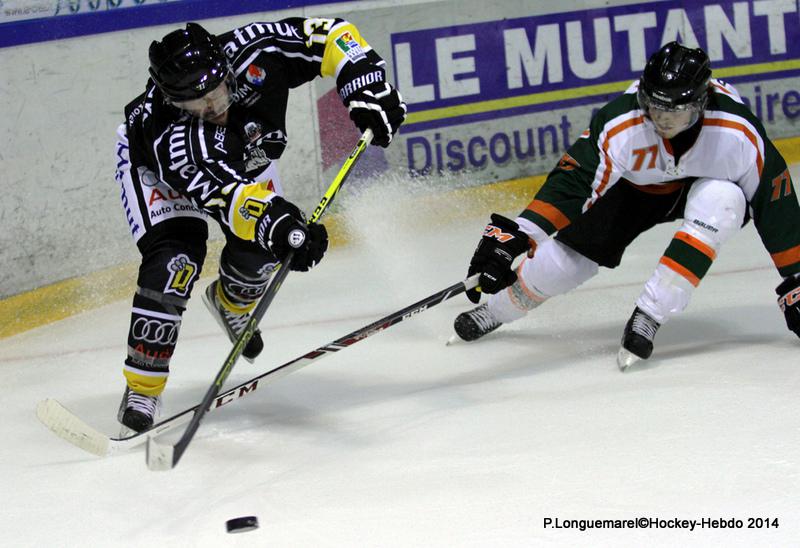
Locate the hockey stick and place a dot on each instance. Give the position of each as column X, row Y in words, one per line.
column 70, row 427
column 164, row 456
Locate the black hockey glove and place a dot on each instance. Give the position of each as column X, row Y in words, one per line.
column 502, row 241
column 310, row 254
column 789, row 301
column 284, row 227
column 373, row 103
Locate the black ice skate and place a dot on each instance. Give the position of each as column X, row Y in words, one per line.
column 637, row 340
column 475, row 323
column 137, row 411
column 232, row 323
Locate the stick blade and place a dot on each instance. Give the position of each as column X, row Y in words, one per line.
column 69, row 427
column 160, row 457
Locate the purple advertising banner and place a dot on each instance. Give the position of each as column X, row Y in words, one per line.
column 458, row 74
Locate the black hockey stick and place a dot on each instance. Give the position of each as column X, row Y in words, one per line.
column 166, row 457
column 73, row 429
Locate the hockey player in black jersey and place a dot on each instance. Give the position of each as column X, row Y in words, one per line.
column 202, row 142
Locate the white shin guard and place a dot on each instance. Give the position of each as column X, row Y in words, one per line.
column 714, row 212
column 665, row 294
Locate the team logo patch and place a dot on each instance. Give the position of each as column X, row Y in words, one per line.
column 567, row 163
column 256, row 75
column 350, row 47
column 182, row 272
column 252, row 208
column 253, row 131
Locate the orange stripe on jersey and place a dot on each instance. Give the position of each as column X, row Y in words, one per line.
column 611, row 133
column 696, row 243
column 668, row 146
column 786, row 258
column 549, row 212
column 683, row 271
column 744, row 129
column 721, row 88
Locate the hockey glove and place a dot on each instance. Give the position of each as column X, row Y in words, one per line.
column 284, row 228
column 789, row 301
column 502, row 241
column 307, row 256
column 373, row 103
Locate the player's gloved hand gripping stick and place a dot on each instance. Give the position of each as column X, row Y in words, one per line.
column 165, row 457
column 789, row 302
column 502, row 242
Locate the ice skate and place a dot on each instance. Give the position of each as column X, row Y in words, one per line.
column 232, row 323
column 475, row 323
column 637, row 340
column 137, row 412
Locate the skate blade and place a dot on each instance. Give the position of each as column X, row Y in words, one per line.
column 625, row 359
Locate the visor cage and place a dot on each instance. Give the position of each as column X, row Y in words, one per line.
column 646, row 102
column 670, row 120
column 213, row 103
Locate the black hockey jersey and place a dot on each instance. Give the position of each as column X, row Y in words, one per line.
column 220, row 168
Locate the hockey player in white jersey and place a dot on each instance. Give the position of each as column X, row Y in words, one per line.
column 202, row 142
column 677, row 144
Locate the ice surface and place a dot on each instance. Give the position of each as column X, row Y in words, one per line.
column 403, row 441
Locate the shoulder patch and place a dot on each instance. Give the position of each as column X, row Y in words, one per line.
column 350, row 47
column 256, row 75
column 567, row 163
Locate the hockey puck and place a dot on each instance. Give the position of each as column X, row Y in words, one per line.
column 242, row 524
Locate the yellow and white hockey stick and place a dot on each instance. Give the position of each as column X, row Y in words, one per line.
column 165, row 456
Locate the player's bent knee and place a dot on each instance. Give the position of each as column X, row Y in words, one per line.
column 715, row 210
column 556, row 269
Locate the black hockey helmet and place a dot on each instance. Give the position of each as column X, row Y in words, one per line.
column 675, row 78
column 187, row 63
